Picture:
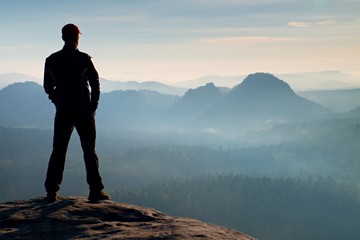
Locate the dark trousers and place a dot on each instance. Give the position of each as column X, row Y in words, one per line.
column 84, row 122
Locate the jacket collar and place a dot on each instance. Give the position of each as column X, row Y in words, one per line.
column 70, row 48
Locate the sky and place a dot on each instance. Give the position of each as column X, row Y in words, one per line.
column 178, row 40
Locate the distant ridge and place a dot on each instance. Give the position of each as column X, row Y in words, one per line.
column 132, row 109
column 10, row 78
column 25, row 104
column 108, row 86
column 337, row 100
column 193, row 103
column 260, row 100
column 300, row 81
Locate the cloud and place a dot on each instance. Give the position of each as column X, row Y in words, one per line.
column 299, row 24
column 124, row 18
column 244, row 40
column 15, row 47
column 309, row 24
column 327, row 22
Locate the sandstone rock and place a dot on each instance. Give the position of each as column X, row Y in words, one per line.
column 77, row 218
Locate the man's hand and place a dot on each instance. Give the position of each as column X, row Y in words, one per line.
column 93, row 107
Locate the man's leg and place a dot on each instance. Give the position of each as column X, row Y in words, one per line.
column 63, row 127
column 86, row 128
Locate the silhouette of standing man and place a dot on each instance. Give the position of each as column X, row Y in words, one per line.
column 67, row 76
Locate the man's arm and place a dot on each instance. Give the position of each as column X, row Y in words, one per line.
column 49, row 82
column 94, row 82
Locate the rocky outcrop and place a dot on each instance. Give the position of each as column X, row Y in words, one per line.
column 77, row 218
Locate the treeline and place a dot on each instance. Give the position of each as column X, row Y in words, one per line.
column 131, row 159
column 267, row 208
column 268, row 191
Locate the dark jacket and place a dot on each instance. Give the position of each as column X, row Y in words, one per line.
column 67, row 76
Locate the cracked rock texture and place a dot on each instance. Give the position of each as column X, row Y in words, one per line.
column 77, row 218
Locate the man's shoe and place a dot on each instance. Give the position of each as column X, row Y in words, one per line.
column 96, row 196
column 52, row 197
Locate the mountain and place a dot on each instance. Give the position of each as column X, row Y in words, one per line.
column 336, row 100
column 261, row 99
column 77, row 218
column 325, row 80
column 221, row 81
column 302, row 81
column 133, row 109
column 108, row 86
column 192, row 104
column 25, row 105
column 10, row 78
column 355, row 113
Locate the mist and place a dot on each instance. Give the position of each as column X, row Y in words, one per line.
column 258, row 157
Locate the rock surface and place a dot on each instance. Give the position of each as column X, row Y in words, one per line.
column 77, row 218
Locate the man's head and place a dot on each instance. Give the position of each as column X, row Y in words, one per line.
column 70, row 34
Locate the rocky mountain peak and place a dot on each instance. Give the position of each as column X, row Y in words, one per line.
column 263, row 83
column 203, row 92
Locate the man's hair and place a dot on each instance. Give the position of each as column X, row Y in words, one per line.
column 70, row 32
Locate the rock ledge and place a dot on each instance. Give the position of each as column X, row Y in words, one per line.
column 77, row 218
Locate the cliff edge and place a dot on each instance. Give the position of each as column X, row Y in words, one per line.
column 77, row 218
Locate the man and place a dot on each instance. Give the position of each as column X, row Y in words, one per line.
column 67, row 76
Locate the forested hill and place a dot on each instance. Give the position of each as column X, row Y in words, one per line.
column 260, row 99
column 25, row 105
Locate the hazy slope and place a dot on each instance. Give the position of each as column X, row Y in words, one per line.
column 10, row 78
column 109, row 86
column 132, row 110
column 25, row 105
column 336, row 100
column 192, row 104
column 260, row 99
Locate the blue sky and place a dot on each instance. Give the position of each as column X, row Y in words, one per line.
column 179, row 40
